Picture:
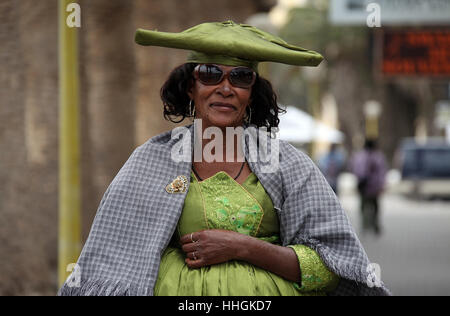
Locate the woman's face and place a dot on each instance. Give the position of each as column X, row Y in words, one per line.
column 220, row 105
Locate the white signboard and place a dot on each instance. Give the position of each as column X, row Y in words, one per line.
column 390, row 12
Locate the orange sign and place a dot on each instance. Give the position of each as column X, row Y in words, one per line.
column 416, row 52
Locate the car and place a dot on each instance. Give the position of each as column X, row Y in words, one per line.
column 425, row 168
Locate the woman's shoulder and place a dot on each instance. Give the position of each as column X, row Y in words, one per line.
column 165, row 139
column 294, row 157
column 151, row 155
column 287, row 148
column 160, row 139
column 156, row 149
column 287, row 152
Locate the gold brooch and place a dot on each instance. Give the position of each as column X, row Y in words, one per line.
column 179, row 185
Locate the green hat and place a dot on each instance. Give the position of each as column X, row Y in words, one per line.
column 231, row 44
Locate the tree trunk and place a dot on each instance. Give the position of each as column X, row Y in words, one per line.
column 108, row 110
column 29, row 150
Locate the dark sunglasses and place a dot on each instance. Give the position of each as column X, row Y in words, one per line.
column 210, row 75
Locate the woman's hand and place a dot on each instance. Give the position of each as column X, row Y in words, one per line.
column 209, row 247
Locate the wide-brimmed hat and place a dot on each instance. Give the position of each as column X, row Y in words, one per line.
column 231, row 44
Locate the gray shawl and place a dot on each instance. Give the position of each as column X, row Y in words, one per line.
column 137, row 218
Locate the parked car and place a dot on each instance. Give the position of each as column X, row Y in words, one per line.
column 425, row 168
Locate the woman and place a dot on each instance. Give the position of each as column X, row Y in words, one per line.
column 228, row 225
column 226, row 207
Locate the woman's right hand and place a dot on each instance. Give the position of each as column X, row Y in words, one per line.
column 209, row 247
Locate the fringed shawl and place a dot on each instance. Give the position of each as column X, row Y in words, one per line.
column 137, row 217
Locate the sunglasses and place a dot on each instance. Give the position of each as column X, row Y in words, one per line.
column 210, row 75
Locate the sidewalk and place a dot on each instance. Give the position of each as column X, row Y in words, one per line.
column 414, row 249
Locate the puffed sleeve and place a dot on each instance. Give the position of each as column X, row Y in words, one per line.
column 315, row 275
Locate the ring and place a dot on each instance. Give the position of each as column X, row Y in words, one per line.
column 192, row 238
column 195, row 257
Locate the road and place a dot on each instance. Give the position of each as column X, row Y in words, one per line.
column 414, row 249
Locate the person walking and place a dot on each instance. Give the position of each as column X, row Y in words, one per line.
column 332, row 164
column 369, row 166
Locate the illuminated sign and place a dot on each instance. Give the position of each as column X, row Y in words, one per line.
column 416, row 52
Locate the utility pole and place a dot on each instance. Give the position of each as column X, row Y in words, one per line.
column 69, row 238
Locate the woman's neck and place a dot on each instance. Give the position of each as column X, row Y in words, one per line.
column 218, row 144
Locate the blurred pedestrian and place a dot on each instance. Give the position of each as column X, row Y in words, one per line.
column 332, row 164
column 369, row 166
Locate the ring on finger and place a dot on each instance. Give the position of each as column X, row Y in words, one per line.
column 195, row 257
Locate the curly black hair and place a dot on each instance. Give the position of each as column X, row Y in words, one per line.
column 174, row 95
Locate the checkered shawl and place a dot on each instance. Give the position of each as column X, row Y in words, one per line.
column 137, row 218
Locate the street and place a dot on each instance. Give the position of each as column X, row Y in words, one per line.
column 414, row 248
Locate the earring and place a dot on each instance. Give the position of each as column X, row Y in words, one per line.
column 191, row 109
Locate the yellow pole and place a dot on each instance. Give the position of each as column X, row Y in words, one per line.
column 69, row 243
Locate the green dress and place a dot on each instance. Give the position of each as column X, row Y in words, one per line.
column 220, row 202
